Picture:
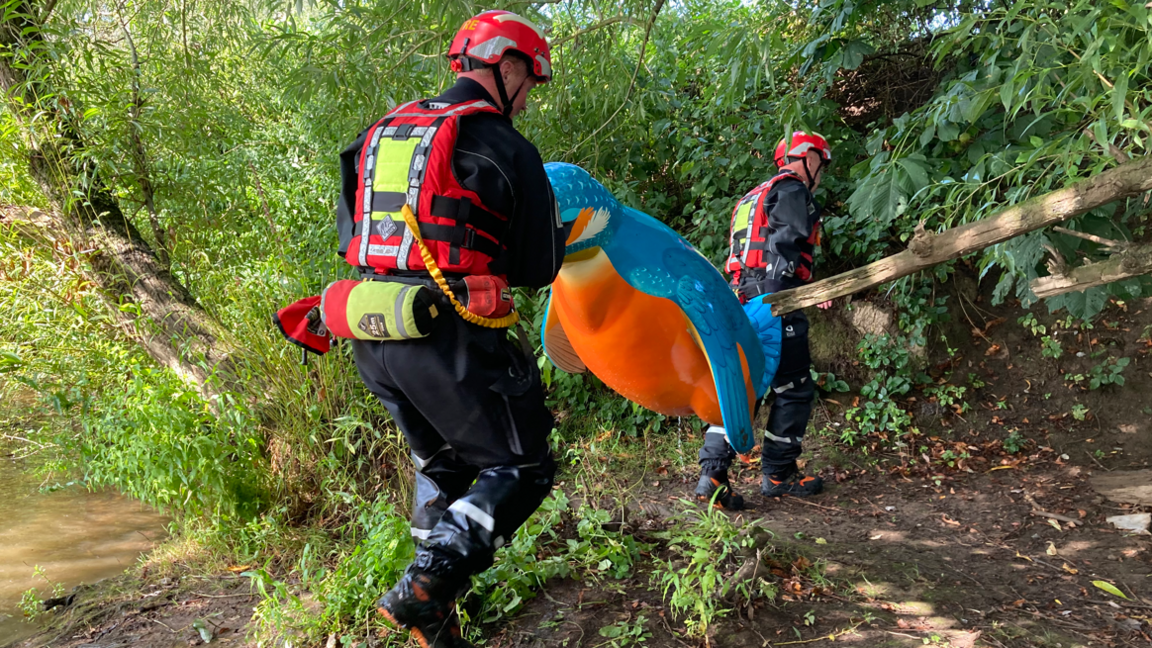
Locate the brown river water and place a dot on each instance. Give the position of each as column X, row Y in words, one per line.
column 75, row 536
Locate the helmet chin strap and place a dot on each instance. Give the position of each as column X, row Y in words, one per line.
column 500, row 89
column 809, row 182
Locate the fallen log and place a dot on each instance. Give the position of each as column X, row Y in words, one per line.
column 1131, row 262
column 928, row 249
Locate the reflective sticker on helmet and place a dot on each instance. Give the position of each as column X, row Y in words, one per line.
column 522, row 20
column 491, row 47
column 545, row 66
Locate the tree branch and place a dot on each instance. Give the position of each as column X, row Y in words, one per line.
column 1132, row 262
column 1113, row 150
column 632, row 83
column 556, row 44
column 1124, row 181
column 46, row 12
column 1109, row 243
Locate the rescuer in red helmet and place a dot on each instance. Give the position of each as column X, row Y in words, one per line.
column 775, row 230
column 468, row 400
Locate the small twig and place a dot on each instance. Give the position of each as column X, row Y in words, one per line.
column 1036, row 510
column 1046, row 564
column 603, row 23
column 1055, row 516
column 1090, row 237
column 163, row 624
column 1096, row 461
column 17, row 438
column 819, row 506
column 221, row 596
column 827, row 637
column 1113, row 150
column 1130, row 604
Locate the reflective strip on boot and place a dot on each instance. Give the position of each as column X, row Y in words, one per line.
column 792, row 385
column 421, row 463
column 780, row 439
column 474, row 513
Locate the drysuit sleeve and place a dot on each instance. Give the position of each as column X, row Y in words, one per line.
column 535, row 237
column 345, row 206
column 791, row 220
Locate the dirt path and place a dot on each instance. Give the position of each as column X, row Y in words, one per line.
column 908, row 562
column 962, row 563
column 154, row 613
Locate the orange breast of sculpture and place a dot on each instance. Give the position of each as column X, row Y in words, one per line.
column 639, row 345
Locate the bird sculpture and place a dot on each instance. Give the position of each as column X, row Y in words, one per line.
column 648, row 315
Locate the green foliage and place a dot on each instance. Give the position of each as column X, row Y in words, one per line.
column 159, row 442
column 1014, row 442
column 890, row 360
column 520, row 569
column 627, row 633
column 704, row 548
column 883, row 417
column 948, row 396
column 1050, row 347
column 31, row 604
column 349, row 592
column 1079, row 412
column 1029, row 322
column 828, row 381
column 1107, row 372
column 1035, row 91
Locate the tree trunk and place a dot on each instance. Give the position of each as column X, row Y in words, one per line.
column 927, row 249
column 139, row 153
column 183, row 336
column 1132, row 262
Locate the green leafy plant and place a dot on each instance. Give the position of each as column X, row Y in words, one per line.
column 948, row 395
column 1107, row 372
column 524, row 565
column 828, row 381
column 704, row 548
column 1029, row 322
column 31, row 605
column 1079, row 412
column 627, row 633
column 1014, row 442
column 1050, row 347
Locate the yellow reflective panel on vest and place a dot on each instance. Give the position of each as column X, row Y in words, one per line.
column 743, row 219
column 393, row 160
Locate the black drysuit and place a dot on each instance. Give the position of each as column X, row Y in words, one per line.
column 468, row 400
column 793, row 219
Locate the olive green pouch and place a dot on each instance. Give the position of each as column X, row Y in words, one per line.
column 378, row 310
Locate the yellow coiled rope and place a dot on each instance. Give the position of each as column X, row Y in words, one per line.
column 434, row 270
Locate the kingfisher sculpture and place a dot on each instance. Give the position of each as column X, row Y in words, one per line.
column 648, row 315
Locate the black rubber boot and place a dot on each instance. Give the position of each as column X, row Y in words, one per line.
column 423, row 604
column 715, row 489
column 790, row 481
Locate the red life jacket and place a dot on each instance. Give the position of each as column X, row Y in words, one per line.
column 407, row 159
column 749, row 241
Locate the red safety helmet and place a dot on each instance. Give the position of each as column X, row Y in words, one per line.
column 487, row 36
column 802, row 143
